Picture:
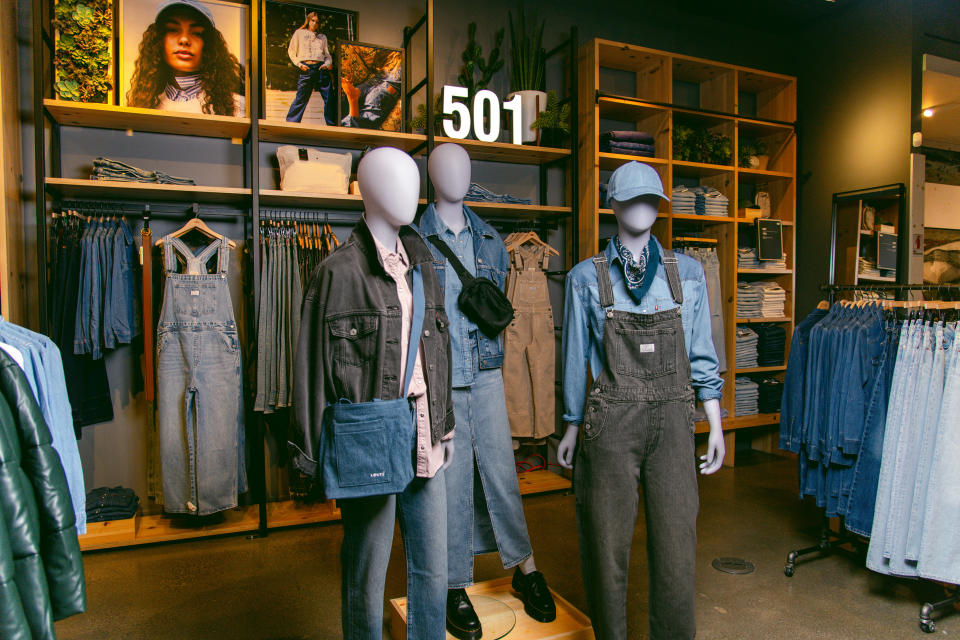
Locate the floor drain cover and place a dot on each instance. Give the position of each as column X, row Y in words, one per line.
column 733, row 565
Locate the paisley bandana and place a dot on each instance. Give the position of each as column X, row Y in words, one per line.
column 638, row 271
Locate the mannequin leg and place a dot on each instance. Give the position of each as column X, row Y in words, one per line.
column 671, row 501
column 422, row 510
column 364, row 555
column 459, row 480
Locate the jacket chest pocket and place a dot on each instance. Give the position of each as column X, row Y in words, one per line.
column 353, row 339
column 646, row 353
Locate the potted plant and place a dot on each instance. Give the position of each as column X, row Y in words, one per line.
column 753, row 154
column 473, row 61
column 553, row 123
column 528, row 59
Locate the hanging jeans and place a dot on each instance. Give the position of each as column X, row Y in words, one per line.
column 199, row 384
column 529, row 347
column 638, row 429
column 711, row 271
column 314, row 79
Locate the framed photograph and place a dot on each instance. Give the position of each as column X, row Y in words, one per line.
column 371, row 86
column 299, row 62
column 83, row 63
column 184, row 55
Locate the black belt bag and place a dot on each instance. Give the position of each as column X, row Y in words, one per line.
column 481, row 300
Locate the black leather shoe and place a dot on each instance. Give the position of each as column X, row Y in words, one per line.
column 462, row 620
column 537, row 599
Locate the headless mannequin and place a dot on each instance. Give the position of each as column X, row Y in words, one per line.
column 449, row 168
column 390, row 184
column 635, row 219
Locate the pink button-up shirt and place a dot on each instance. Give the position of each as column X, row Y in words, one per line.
column 429, row 457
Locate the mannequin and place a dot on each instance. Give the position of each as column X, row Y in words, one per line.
column 637, row 317
column 347, row 349
column 484, row 446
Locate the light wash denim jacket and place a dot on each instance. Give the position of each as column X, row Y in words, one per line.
column 492, row 262
column 583, row 323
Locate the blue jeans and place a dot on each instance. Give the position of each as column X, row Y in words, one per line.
column 484, row 510
column 313, row 79
column 365, row 554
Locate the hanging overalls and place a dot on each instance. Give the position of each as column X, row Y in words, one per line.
column 199, row 384
column 638, row 428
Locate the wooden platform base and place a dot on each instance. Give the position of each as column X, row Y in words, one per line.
column 569, row 625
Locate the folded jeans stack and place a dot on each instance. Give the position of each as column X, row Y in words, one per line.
column 771, row 393
column 111, row 503
column 747, row 340
column 476, row 193
column 771, row 346
column 631, row 143
column 684, row 200
column 711, row 202
column 760, row 300
column 747, row 259
column 107, row 169
column 746, row 400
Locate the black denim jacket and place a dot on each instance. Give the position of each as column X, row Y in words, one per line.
column 350, row 340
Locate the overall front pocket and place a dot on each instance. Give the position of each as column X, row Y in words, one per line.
column 646, row 353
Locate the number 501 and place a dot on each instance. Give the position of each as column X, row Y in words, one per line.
column 487, row 131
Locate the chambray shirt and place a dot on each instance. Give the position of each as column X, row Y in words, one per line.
column 584, row 321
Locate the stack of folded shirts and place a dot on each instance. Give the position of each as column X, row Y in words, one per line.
column 868, row 268
column 746, row 400
column 477, row 193
column 631, row 143
column 771, row 345
column 760, row 300
column 771, row 393
column 747, row 259
column 107, row 169
column 711, row 202
column 114, row 503
column 747, row 354
column 684, row 200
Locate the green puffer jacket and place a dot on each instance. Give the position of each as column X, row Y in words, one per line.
column 37, row 510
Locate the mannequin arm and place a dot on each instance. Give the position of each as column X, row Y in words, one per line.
column 568, row 445
column 713, row 459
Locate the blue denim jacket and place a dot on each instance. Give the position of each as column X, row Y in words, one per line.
column 584, row 319
column 492, row 263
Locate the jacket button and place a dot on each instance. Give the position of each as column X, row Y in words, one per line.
column 353, row 331
column 427, row 333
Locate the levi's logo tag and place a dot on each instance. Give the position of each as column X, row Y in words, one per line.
column 378, row 475
column 648, row 348
column 195, row 292
column 302, row 153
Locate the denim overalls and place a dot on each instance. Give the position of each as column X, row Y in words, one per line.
column 199, row 384
column 638, row 428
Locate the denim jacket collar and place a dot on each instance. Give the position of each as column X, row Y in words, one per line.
column 417, row 251
column 430, row 223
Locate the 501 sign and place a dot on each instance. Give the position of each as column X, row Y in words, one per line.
column 485, row 103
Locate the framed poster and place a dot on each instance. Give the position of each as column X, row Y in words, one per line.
column 184, row 55
column 299, row 61
column 83, row 63
column 371, row 86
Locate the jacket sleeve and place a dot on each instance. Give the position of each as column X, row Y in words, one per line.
column 309, row 390
column 58, row 533
column 13, row 621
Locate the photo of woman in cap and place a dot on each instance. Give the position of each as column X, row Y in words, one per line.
column 184, row 63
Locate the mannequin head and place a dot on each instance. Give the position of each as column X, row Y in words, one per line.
column 390, row 186
column 637, row 215
column 449, row 168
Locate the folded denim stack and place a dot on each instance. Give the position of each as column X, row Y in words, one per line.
column 760, row 300
column 747, row 354
column 477, row 193
column 684, row 200
column 111, row 503
column 771, row 393
column 711, row 202
column 747, row 259
column 631, row 143
column 772, row 345
column 747, row 398
column 868, row 268
column 114, row 170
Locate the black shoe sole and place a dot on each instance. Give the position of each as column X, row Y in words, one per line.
column 538, row 616
column 463, row 634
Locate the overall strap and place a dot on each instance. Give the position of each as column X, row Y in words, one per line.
column 223, row 255
column 416, row 326
column 516, row 258
column 462, row 273
column 673, row 275
column 604, row 288
column 169, row 257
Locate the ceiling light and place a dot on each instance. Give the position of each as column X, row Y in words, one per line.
column 928, row 113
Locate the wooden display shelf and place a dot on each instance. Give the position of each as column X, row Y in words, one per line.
column 786, row 223
column 732, row 423
column 105, row 116
column 876, row 278
column 706, row 118
column 277, row 198
column 300, row 133
column 610, row 161
column 627, row 110
column 522, row 211
column 762, row 175
column 74, row 188
column 700, row 169
column 760, row 128
column 542, row 481
column 702, row 219
column 570, row 623
column 293, row 513
column 763, row 272
column 762, row 369
column 160, row 528
column 506, row 152
column 759, row 320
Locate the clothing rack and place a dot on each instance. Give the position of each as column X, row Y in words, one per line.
column 831, row 541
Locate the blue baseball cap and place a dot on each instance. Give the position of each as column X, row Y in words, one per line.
column 632, row 180
column 193, row 4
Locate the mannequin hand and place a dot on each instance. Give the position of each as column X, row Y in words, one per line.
column 447, row 454
column 568, row 445
column 716, row 448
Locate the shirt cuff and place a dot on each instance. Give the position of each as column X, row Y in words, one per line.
column 708, row 394
column 574, row 420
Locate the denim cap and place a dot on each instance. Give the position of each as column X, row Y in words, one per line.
column 632, row 180
column 193, row 4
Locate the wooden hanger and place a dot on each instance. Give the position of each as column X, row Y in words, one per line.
column 531, row 236
column 197, row 224
column 823, row 305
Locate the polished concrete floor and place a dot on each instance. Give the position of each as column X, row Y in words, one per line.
column 286, row 586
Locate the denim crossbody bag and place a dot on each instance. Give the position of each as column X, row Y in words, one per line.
column 367, row 447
